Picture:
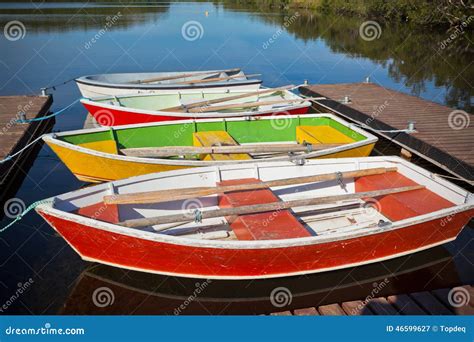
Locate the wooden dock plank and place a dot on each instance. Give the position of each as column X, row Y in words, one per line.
column 380, row 306
column 14, row 136
column 356, row 308
column 281, row 313
column 435, row 302
column 462, row 296
column 90, row 122
column 405, row 305
column 331, row 310
column 386, row 109
column 306, row 312
column 430, row 304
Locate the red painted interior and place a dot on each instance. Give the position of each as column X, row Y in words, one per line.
column 272, row 225
column 118, row 117
column 100, row 211
column 402, row 205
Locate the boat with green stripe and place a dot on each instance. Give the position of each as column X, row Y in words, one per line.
column 112, row 153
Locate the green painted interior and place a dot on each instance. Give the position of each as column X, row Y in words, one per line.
column 243, row 131
column 162, row 101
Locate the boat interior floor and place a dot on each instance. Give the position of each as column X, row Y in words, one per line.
column 297, row 222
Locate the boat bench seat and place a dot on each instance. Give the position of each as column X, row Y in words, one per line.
column 107, row 146
column 217, row 138
column 100, row 211
column 405, row 204
column 272, row 225
column 321, row 135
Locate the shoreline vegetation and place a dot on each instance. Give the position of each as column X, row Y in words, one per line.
column 437, row 13
column 423, row 53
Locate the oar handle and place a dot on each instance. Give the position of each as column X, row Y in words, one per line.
column 259, row 208
column 188, row 193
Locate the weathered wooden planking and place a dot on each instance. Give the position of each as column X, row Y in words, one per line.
column 306, row 312
column 356, row 308
column 462, row 297
column 90, row 122
column 386, row 109
column 380, row 306
column 14, row 136
column 430, row 304
column 405, row 305
column 331, row 310
column 436, row 302
column 281, row 313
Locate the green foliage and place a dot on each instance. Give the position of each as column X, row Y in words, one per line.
column 420, row 12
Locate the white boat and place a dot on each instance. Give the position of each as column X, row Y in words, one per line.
column 92, row 86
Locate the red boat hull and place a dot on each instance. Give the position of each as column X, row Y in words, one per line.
column 203, row 262
column 119, row 117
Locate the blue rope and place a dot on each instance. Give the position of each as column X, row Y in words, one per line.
column 49, row 116
column 19, row 217
column 10, row 157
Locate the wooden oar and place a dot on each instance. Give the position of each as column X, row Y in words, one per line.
column 187, row 193
column 177, row 76
column 243, row 105
column 169, row 151
column 260, row 208
column 225, row 99
column 217, row 79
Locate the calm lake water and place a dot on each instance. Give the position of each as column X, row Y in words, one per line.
column 64, row 40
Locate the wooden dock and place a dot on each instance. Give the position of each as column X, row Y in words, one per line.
column 90, row 122
column 436, row 302
column 14, row 136
column 445, row 137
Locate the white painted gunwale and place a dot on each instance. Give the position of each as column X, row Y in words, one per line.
column 267, row 244
column 88, row 80
column 105, row 106
column 52, row 138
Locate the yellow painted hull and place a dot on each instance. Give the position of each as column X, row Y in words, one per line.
column 91, row 168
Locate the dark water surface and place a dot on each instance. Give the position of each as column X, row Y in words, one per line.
column 58, row 45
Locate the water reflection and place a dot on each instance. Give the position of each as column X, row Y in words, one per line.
column 128, row 292
column 79, row 15
column 150, row 32
column 413, row 55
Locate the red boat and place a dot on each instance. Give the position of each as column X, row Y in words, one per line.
column 262, row 220
column 143, row 108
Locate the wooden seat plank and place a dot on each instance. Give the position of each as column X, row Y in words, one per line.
column 261, row 226
column 217, row 138
column 321, row 135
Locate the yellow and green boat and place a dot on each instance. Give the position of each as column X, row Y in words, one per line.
column 112, row 153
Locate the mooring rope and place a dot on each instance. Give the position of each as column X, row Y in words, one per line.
column 59, row 84
column 405, row 130
column 11, row 156
column 28, row 209
column 50, row 115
